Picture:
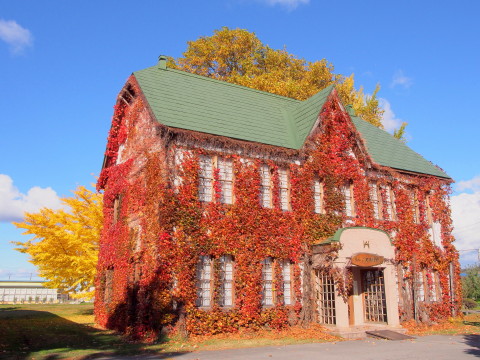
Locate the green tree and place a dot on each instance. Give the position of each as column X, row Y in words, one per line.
column 239, row 57
column 471, row 283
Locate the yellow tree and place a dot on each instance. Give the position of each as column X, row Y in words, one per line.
column 239, row 57
column 64, row 246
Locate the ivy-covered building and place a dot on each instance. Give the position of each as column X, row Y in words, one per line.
column 227, row 207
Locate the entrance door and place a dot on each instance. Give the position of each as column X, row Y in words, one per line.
column 374, row 303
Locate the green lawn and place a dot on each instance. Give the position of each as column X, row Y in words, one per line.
column 68, row 331
column 54, row 331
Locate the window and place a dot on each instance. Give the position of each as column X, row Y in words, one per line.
column 206, row 178
column 318, row 196
column 284, row 190
column 389, row 212
column 419, row 286
column 225, row 176
column 414, row 202
column 349, row 205
column 268, row 292
column 204, row 286
column 374, row 199
column 266, row 187
column 205, row 283
column 433, row 288
column 287, row 282
column 108, row 291
column 225, row 278
column 435, row 232
column 267, row 277
column 429, row 208
column 205, row 186
column 117, row 208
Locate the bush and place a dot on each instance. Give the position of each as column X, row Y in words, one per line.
column 469, row 303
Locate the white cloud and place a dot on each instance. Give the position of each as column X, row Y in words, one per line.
column 472, row 184
column 15, row 35
column 400, row 79
column 466, row 219
column 289, row 4
column 389, row 121
column 13, row 203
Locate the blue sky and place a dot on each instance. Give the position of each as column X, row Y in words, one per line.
column 64, row 62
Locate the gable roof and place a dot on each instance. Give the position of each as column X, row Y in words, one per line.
column 183, row 100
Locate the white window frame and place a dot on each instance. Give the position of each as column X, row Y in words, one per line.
column 374, row 198
column 225, row 277
column 415, row 210
column 318, row 196
column 204, row 282
column 225, row 177
column 208, row 165
column 349, row 201
column 268, row 298
column 284, row 189
column 287, row 272
column 389, row 203
column 205, row 179
column 266, row 187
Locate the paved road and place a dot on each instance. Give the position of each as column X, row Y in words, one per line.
column 435, row 347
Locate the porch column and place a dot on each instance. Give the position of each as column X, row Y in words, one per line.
column 391, row 295
column 341, row 311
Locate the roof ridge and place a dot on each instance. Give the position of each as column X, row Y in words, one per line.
column 224, row 83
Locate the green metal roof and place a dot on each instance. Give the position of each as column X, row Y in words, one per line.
column 338, row 234
column 389, row 151
column 187, row 101
column 182, row 100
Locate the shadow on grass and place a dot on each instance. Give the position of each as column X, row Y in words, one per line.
column 85, row 312
column 472, row 323
column 27, row 333
column 474, row 342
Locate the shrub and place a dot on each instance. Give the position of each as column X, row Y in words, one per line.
column 469, row 303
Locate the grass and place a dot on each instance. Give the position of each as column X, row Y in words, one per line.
column 467, row 325
column 68, row 331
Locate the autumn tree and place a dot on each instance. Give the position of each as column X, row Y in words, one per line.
column 239, row 57
column 64, row 246
column 471, row 282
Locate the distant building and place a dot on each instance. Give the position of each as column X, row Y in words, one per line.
column 12, row 291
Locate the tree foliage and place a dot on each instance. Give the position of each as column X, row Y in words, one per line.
column 64, row 246
column 239, row 57
column 471, row 283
